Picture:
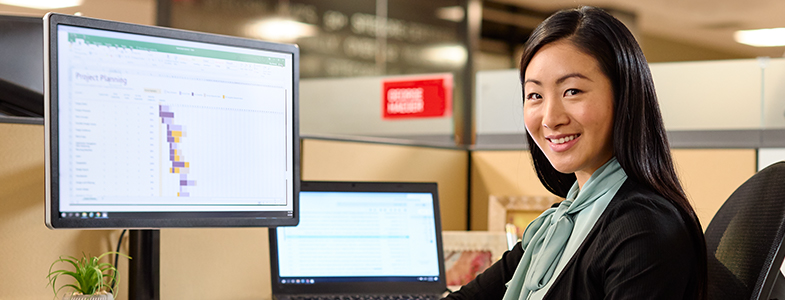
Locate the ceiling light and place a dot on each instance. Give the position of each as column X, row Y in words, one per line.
column 772, row 37
column 452, row 55
column 43, row 4
column 450, row 13
column 280, row 29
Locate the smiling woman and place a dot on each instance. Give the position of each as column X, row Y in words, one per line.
column 625, row 229
column 568, row 109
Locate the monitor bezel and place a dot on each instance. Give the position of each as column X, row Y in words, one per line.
column 434, row 287
column 52, row 212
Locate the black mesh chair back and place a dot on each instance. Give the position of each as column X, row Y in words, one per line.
column 744, row 238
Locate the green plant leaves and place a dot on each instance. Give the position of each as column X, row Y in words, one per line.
column 90, row 274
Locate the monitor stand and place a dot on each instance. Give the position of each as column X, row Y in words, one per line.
column 144, row 266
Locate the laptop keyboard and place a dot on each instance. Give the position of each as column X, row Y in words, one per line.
column 366, row 297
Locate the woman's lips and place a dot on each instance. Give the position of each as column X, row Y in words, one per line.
column 562, row 143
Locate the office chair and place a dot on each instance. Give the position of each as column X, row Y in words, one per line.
column 744, row 240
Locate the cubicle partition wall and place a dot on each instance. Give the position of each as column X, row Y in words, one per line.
column 27, row 246
column 222, row 263
column 352, row 107
column 725, row 120
column 358, row 160
column 196, row 263
column 238, row 258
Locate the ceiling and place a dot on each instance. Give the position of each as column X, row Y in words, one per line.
column 704, row 23
column 133, row 11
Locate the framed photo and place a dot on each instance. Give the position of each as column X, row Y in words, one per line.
column 468, row 253
column 516, row 210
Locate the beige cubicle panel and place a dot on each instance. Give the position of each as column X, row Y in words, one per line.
column 234, row 263
column 238, row 259
column 197, row 263
column 709, row 176
column 215, row 263
column 500, row 173
column 27, row 246
column 359, row 161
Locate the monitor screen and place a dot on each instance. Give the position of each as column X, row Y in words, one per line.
column 149, row 127
column 360, row 236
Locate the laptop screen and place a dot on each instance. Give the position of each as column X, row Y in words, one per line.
column 355, row 234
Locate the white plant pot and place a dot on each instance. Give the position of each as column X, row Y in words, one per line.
column 89, row 297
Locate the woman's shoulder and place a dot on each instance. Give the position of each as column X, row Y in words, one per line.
column 639, row 221
column 638, row 213
column 639, row 247
column 635, row 200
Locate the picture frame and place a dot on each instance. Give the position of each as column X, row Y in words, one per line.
column 516, row 210
column 469, row 253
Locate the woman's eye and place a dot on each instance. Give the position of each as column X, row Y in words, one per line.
column 533, row 96
column 571, row 92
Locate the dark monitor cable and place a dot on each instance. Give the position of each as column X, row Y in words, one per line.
column 116, row 256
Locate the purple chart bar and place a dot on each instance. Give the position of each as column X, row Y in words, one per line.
column 175, row 156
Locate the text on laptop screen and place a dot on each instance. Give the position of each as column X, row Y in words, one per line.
column 360, row 236
column 152, row 124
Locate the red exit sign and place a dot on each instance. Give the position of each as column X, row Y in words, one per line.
column 417, row 97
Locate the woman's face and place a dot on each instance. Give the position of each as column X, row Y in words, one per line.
column 568, row 109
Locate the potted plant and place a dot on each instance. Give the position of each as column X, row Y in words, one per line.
column 94, row 280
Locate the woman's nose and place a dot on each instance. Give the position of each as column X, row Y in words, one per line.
column 554, row 114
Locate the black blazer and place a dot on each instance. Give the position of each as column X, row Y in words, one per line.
column 640, row 248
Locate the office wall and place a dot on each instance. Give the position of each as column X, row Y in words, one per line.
column 27, row 247
column 662, row 49
column 353, row 106
column 745, row 94
column 768, row 156
column 500, row 173
column 218, row 263
column 709, row 176
column 197, row 263
column 355, row 161
column 234, row 263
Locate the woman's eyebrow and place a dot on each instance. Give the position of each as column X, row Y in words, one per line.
column 572, row 75
column 560, row 80
column 537, row 82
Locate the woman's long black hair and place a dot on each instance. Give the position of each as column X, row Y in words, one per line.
column 639, row 140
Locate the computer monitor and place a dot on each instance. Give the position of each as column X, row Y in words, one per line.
column 21, row 66
column 151, row 127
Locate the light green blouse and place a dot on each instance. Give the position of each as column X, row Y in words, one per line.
column 553, row 238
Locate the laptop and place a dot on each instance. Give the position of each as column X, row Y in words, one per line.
column 360, row 240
